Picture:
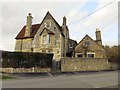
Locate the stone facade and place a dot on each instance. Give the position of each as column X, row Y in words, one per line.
column 84, row 64
column 50, row 37
column 24, row 70
column 46, row 37
column 89, row 48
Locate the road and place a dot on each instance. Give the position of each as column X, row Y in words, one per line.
column 107, row 79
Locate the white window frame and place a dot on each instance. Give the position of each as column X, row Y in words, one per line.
column 86, row 43
column 45, row 25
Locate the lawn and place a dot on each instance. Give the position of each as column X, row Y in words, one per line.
column 6, row 77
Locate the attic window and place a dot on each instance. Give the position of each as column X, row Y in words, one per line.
column 87, row 43
column 45, row 25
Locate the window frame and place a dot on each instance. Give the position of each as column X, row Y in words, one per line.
column 87, row 43
column 70, row 45
column 44, row 39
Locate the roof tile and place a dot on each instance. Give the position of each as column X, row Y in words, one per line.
column 21, row 34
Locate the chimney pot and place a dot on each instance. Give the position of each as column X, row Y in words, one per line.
column 29, row 14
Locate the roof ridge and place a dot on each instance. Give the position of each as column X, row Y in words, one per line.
column 60, row 27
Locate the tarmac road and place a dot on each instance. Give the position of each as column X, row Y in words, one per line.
column 107, row 79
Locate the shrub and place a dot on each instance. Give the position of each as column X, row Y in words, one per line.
column 26, row 59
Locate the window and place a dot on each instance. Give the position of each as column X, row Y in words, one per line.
column 70, row 45
column 90, row 55
column 45, row 25
column 44, row 39
column 49, row 39
column 87, row 43
column 80, row 55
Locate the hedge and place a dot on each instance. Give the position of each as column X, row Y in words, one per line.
column 26, row 59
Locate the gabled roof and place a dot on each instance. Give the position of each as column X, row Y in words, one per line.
column 35, row 28
column 21, row 34
column 60, row 28
column 89, row 38
column 85, row 37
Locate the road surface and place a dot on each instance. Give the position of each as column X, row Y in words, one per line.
column 107, row 79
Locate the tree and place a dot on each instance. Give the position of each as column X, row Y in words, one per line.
column 112, row 53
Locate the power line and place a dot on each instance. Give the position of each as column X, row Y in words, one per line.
column 109, row 23
column 93, row 12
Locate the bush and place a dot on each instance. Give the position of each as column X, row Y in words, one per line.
column 112, row 53
column 26, row 59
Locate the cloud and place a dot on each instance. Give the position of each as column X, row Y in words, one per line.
column 14, row 18
column 104, row 15
column 100, row 19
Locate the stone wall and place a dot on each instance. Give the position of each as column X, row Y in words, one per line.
column 84, row 64
column 23, row 45
column 24, row 70
column 18, row 45
column 27, row 45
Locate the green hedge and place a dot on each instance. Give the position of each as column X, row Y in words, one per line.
column 26, row 59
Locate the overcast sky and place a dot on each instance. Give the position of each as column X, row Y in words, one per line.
column 13, row 18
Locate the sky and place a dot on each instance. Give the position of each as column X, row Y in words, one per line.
column 13, row 17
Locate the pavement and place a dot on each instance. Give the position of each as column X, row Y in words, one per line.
column 103, row 79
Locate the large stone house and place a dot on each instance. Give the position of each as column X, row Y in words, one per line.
column 46, row 37
column 89, row 48
column 49, row 37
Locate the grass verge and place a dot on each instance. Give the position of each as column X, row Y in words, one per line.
column 6, row 77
